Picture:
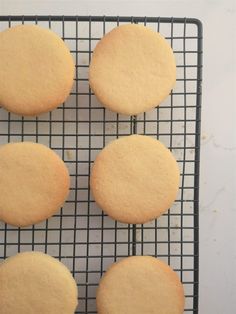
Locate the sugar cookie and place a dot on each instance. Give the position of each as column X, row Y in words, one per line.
column 36, row 283
column 36, row 70
column 140, row 285
column 34, row 183
column 135, row 179
column 132, row 69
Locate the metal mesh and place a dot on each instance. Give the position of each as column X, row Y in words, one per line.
column 80, row 235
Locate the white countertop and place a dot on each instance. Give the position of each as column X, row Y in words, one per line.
column 218, row 150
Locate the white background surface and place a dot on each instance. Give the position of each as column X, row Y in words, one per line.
column 218, row 152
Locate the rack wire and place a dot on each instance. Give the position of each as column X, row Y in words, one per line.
column 81, row 235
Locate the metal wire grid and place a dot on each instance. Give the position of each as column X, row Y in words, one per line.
column 80, row 235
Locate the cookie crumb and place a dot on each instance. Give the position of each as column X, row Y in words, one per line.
column 69, row 154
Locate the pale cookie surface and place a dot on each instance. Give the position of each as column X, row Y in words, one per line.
column 36, row 283
column 140, row 285
column 34, row 183
column 135, row 179
column 36, row 70
column 132, row 69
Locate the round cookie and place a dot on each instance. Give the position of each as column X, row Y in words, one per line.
column 138, row 285
column 36, row 283
column 36, row 70
column 34, row 183
column 135, row 179
column 132, row 69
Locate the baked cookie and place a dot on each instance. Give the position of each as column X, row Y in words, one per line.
column 34, row 183
column 36, row 70
column 132, row 69
column 135, row 179
column 36, row 283
column 140, row 285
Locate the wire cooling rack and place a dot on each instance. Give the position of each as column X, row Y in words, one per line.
column 80, row 235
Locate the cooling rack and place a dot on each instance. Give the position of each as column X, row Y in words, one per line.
column 80, row 235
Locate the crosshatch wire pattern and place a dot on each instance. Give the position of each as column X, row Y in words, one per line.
column 80, row 235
